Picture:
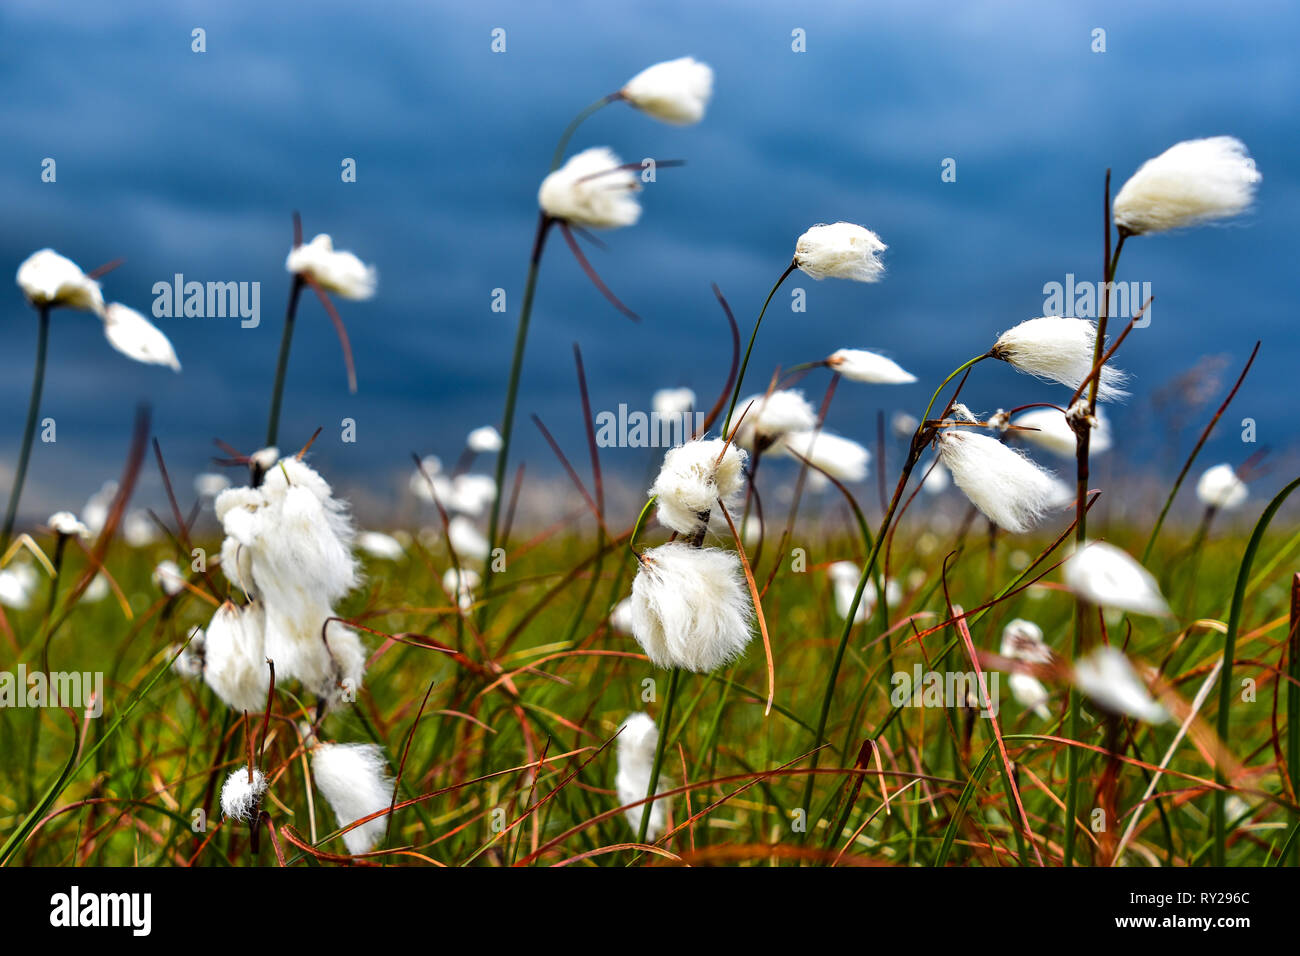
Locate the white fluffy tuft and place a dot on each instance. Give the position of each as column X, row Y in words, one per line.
column 1002, row 482
column 768, row 418
column 637, row 740
column 1105, row 575
column 592, row 190
column 841, row 458
column 1192, row 182
column 693, row 477
column 1220, row 488
column 1058, row 349
column 675, row 91
column 339, row 272
column 859, row 365
column 1052, row 432
column 1109, row 679
column 354, row 780
column 240, row 797
column 234, row 653
column 841, row 250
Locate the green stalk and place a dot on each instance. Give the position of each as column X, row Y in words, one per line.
column 674, row 678
column 29, row 431
column 1230, row 649
column 740, row 379
column 282, row 366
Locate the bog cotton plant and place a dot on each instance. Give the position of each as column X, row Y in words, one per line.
column 593, row 189
column 672, row 402
column 1023, row 641
column 840, row 250
column 137, row 338
column 770, row 418
column 692, row 479
column 354, row 781
column 675, row 91
column 841, row 458
column 1010, row 489
column 50, row 280
column 1221, row 489
column 637, row 741
column 1191, row 183
column 859, row 365
column 1058, row 349
column 484, row 440
column 234, row 657
column 1103, row 574
column 1108, row 678
column 337, row 271
column 242, row 793
column 1048, row 429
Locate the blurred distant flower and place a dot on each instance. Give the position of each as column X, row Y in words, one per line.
column 380, row 545
column 620, row 618
column 859, row 365
column 592, row 189
column 1058, row 349
column 841, row 458
column 49, row 279
column 167, row 578
column 771, row 417
column 138, row 529
column 210, row 484
column 840, row 251
column 675, row 91
column 1105, row 575
column 137, row 338
column 638, row 739
column 1009, row 488
column 189, row 662
column 17, row 585
column 461, row 585
column 1109, row 679
column 66, row 523
column 844, row 577
column 466, row 540
column 1051, row 432
column 1192, row 182
column 672, row 402
column 339, row 272
column 484, row 441
column 1220, row 488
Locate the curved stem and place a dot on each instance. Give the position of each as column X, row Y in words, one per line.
column 29, row 431
column 282, row 366
column 572, row 128
column 740, row 378
column 674, row 678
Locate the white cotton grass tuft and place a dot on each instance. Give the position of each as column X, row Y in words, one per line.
column 339, row 272
column 769, row 418
column 484, row 440
column 188, row 661
column 466, row 540
column 1058, row 349
column 844, row 577
column 937, row 479
column 1052, row 432
column 17, row 586
column 469, row 494
column 66, row 523
column 49, row 279
column 210, row 484
column 592, row 189
column 137, row 338
column 240, row 797
column 1219, row 487
column 841, row 458
column 379, row 545
column 691, row 607
column 1023, row 641
column 637, row 740
column 234, row 652
column 461, row 585
column 1105, row 575
column 840, row 250
column 353, row 779
column 1107, row 677
column 620, row 616
column 672, row 402
column 859, row 365
column 1189, row 184
column 675, row 91
column 167, row 577
column 1010, row 489
column 692, row 479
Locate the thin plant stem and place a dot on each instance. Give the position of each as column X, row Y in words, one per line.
column 665, row 724
column 282, row 366
column 29, row 431
column 563, row 146
column 740, row 379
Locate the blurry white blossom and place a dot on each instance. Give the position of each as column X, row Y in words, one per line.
column 675, row 91
column 339, row 272
column 840, row 251
column 592, row 189
column 1192, row 182
column 50, row 279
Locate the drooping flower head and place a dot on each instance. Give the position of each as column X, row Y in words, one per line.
column 66, row 523
column 49, row 279
column 592, row 189
column 637, row 740
column 137, row 338
column 1219, row 487
column 840, row 250
column 841, row 458
column 675, row 91
column 354, row 780
column 769, row 418
column 1048, row 429
column 339, row 272
column 1105, row 575
column 1107, row 677
column 859, row 365
column 1010, row 489
column 692, row 479
column 1058, row 349
column 1191, row 183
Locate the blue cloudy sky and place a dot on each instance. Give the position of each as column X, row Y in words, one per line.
column 192, row 163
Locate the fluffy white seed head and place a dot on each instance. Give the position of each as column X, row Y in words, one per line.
column 210, row 484
column 620, row 617
column 466, row 540
column 234, row 651
column 675, row 91
column 188, row 663
column 768, row 418
column 859, row 365
column 592, row 190
column 1009, row 488
column 1105, row 575
column 937, row 478
column 1192, row 182
column 691, row 607
column 1058, row 349
column 66, row 523
column 137, row 338
column 461, row 585
column 167, row 577
column 1029, row 692
column 1052, row 432
column 841, row 458
column 844, row 577
column 1023, row 641
column 484, row 440
column 353, row 779
column 468, row 494
column 637, row 740
column 672, row 402
column 1220, row 488
column 48, row 278
column 380, row 545
column 692, row 479
column 840, row 251
column 1107, row 677
column 240, row 797
column 339, row 272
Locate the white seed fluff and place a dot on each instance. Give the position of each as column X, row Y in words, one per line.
column 1053, row 433
column 48, row 278
column 692, row 479
column 1220, row 488
column 691, row 607
column 1107, row 677
column 1009, row 488
column 1192, row 182
column 137, row 338
column 240, row 796
column 1105, row 575
column 672, row 402
column 234, row 651
column 1029, row 693
column 841, row 250
column 637, row 740
column 859, row 365
column 339, row 272
column 592, row 189
column 767, row 418
column 675, row 91
column 841, row 458
column 484, row 440
column 1058, row 349
column 354, row 780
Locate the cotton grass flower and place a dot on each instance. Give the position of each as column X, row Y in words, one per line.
column 1105, row 575
column 354, row 781
column 167, row 577
column 1023, row 641
column 339, row 272
column 65, row 523
column 672, row 402
column 675, row 91
column 620, row 617
column 240, row 796
column 379, row 545
column 1191, row 183
column 840, row 251
column 841, row 458
column 49, row 279
column 1060, row 350
column 137, row 338
column 462, row 584
column 592, row 189
column 484, row 440
column 466, row 540
column 188, row 663
column 17, row 586
column 1107, row 677
column 210, row 484
column 771, row 417
column 859, row 365
column 1220, row 488
column 691, row 608
column 234, row 652
column 637, row 741
column 1009, row 488
column 692, row 479
column 844, row 577
column 1052, row 432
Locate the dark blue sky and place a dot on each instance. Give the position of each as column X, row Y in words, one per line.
column 192, row 163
